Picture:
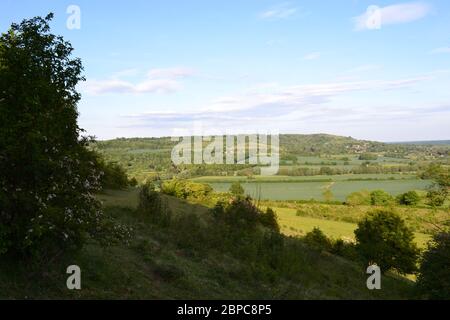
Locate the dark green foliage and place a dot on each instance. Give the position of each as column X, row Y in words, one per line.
column 112, row 174
column 434, row 275
column 318, row 240
column 114, row 177
column 269, row 220
column 383, row 239
column 236, row 189
column 381, row 198
column 189, row 231
column 152, row 206
column 47, row 176
column 132, row 182
column 410, row 198
column 241, row 213
column 436, row 198
column 345, row 249
column 368, row 157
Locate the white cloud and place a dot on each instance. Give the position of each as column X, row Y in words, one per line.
column 278, row 105
column 312, row 56
column 156, row 81
column 375, row 18
column 98, row 87
column 282, row 11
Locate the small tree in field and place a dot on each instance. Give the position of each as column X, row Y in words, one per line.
column 47, row 176
column 410, row 198
column 383, row 239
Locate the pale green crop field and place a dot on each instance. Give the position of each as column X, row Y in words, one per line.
column 340, row 177
column 306, row 190
column 293, row 225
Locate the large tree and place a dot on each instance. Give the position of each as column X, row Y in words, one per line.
column 47, row 176
column 383, row 239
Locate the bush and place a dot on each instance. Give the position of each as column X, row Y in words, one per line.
column 318, row 240
column 152, row 206
column 436, row 198
column 344, row 249
column 359, row 198
column 434, row 275
column 243, row 214
column 269, row 220
column 236, row 189
column 185, row 189
column 383, row 239
column 368, row 157
column 114, row 176
column 410, row 198
column 381, row 198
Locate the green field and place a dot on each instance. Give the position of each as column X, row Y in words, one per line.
column 320, row 178
column 293, row 225
column 310, row 189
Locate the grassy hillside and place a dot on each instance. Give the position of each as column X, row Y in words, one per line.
column 173, row 262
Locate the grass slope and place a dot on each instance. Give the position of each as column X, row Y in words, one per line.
column 155, row 266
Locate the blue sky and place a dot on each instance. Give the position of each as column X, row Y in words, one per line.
column 154, row 68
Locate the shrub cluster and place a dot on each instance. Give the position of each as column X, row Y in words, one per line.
column 382, row 198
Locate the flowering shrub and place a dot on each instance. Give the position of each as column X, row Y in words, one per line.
column 47, row 176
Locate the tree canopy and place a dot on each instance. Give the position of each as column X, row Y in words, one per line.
column 47, row 175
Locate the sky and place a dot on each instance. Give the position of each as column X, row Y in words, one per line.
column 377, row 70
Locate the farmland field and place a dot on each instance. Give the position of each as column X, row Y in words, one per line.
column 293, row 225
column 279, row 178
column 310, row 189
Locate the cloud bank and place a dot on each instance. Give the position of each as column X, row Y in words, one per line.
column 155, row 81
